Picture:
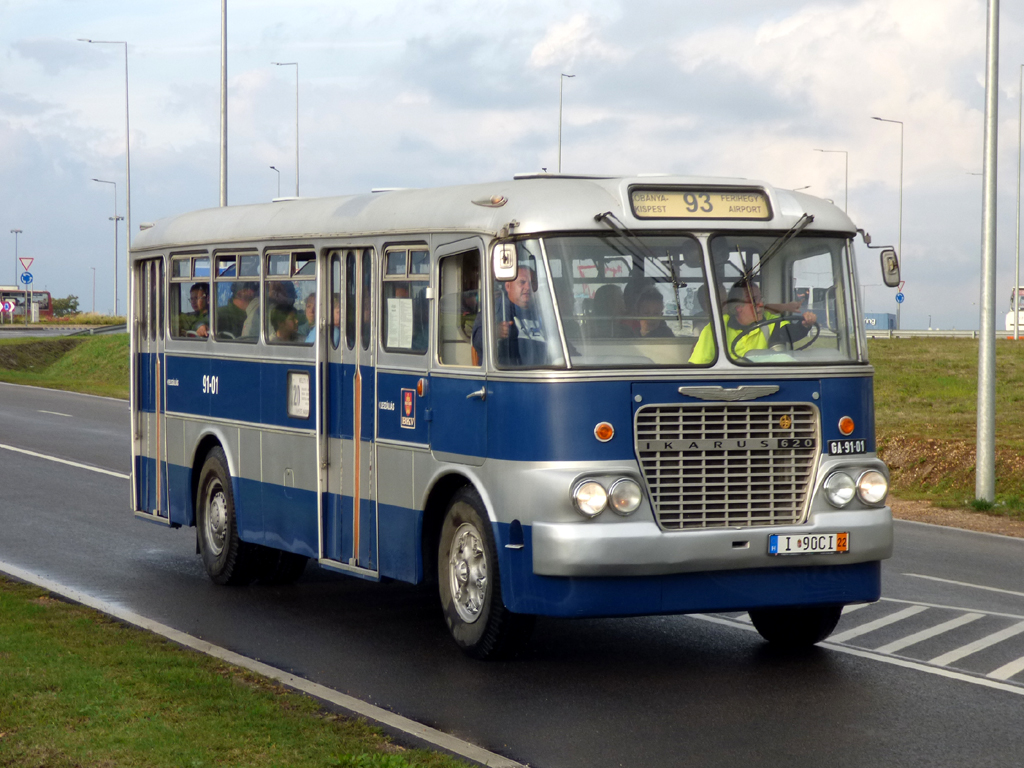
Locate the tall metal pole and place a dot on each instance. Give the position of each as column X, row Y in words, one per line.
column 561, row 80
column 223, row 102
column 273, row 168
column 1016, row 263
column 15, row 232
column 127, row 168
column 296, row 65
column 115, row 218
column 93, row 289
column 899, row 246
column 985, row 461
column 846, row 175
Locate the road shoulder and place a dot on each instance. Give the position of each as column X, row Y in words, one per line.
column 925, row 512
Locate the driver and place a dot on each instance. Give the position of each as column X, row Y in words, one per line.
column 744, row 308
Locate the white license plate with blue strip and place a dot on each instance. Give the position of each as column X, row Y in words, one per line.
column 809, row 544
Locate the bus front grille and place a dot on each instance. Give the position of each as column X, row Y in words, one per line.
column 719, row 466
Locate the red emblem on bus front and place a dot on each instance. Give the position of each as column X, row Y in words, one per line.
column 408, row 415
column 408, row 403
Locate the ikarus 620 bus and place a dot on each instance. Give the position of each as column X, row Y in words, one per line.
column 552, row 395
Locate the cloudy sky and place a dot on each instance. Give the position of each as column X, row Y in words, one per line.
column 430, row 93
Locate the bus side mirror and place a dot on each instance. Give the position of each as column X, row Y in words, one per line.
column 505, row 262
column 890, row 268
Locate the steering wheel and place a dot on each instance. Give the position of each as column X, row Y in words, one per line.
column 812, row 334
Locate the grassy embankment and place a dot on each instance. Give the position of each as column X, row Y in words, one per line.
column 80, row 689
column 926, row 393
column 97, row 365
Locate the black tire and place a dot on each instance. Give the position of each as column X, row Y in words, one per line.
column 228, row 559
column 798, row 627
column 277, row 567
column 470, row 587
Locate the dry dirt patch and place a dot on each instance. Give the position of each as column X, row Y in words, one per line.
column 924, row 512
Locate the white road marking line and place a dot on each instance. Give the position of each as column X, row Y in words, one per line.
column 966, row 584
column 91, row 468
column 357, row 706
column 57, row 413
column 978, row 645
column 885, row 621
column 959, row 608
column 1007, row 671
column 925, row 634
column 854, row 607
column 896, row 661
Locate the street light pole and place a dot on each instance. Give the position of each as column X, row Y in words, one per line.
column 846, row 176
column 278, row 180
column 93, row 289
column 296, row 65
column 15, row 232
column 1016, row 265
column 115, row 218
column 561, row 80
column 223, row 102
column 899, row 246
column 127, row 171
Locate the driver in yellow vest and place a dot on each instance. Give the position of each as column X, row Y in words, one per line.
column 744, row 307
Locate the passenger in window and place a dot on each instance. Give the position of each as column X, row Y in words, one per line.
column 284, row 321
column 308, row 328
column 608, row 311
column 336, row 318
column 281, row 292
column 196, row 322
column 519, row 335
column 233, row 317
column 650, row 309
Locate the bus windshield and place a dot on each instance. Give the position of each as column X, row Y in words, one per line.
column 643, row 301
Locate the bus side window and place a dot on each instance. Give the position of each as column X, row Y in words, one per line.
column 351, row 292
column 237, row 297
column 334, row 318
column 404, row 306
column 291, row 298
column 458, row 306
column 189, row 297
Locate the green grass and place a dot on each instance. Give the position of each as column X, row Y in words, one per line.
column 926, row 393
column 96, row 365
column 79, row 689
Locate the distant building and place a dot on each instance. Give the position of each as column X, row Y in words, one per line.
column 880, row 321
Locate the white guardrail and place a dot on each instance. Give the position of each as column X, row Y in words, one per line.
column 937, row 334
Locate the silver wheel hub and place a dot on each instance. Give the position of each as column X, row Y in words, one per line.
column 216, row 519
column 467, row 572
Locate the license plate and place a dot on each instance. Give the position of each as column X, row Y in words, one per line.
column 809, row 544
column 846, row 447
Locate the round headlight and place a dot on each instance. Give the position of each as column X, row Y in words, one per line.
column 839, row 489
column 872, row 487
column 591, row 498
column 625, row 496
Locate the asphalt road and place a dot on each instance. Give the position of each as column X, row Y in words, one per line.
column 932, row 675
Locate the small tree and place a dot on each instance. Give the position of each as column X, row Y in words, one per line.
column 66, row 306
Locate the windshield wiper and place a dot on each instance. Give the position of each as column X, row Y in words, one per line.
column 778, row 245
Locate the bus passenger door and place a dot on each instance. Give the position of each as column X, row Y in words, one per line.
column 150, row 439
column 458, row 384
column 348, row 528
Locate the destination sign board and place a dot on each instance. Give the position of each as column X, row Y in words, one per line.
column 696, row 203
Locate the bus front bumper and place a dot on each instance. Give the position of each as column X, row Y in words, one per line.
column 641, row 548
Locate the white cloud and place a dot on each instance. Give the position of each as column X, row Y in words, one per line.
column 571, row 41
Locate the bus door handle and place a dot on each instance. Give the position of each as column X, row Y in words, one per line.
column 480, row 394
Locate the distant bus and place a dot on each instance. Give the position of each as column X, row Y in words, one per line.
column 16, row 296
column 1016, row 298
column 531, row 393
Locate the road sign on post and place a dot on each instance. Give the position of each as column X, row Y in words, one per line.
column 26, row 278
column 26, row 262
column 899, row 298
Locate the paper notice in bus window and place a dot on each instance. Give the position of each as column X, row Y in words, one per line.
column 298, row 395
column 399, row 324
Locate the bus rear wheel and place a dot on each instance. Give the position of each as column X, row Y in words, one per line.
column 228, row 559
column 796, row 627
column 469, row 585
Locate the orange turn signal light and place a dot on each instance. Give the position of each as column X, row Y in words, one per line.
column 846, row 425
column 604, row 431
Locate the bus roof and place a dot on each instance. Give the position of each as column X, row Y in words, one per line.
column 536, row 202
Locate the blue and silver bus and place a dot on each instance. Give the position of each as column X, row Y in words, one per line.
column 551, row 396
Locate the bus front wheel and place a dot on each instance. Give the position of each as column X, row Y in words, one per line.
column 796, row 627
column 228, row 559
column 469, row 585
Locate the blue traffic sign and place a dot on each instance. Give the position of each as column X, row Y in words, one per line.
column 899, row 298
column 26, row 278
